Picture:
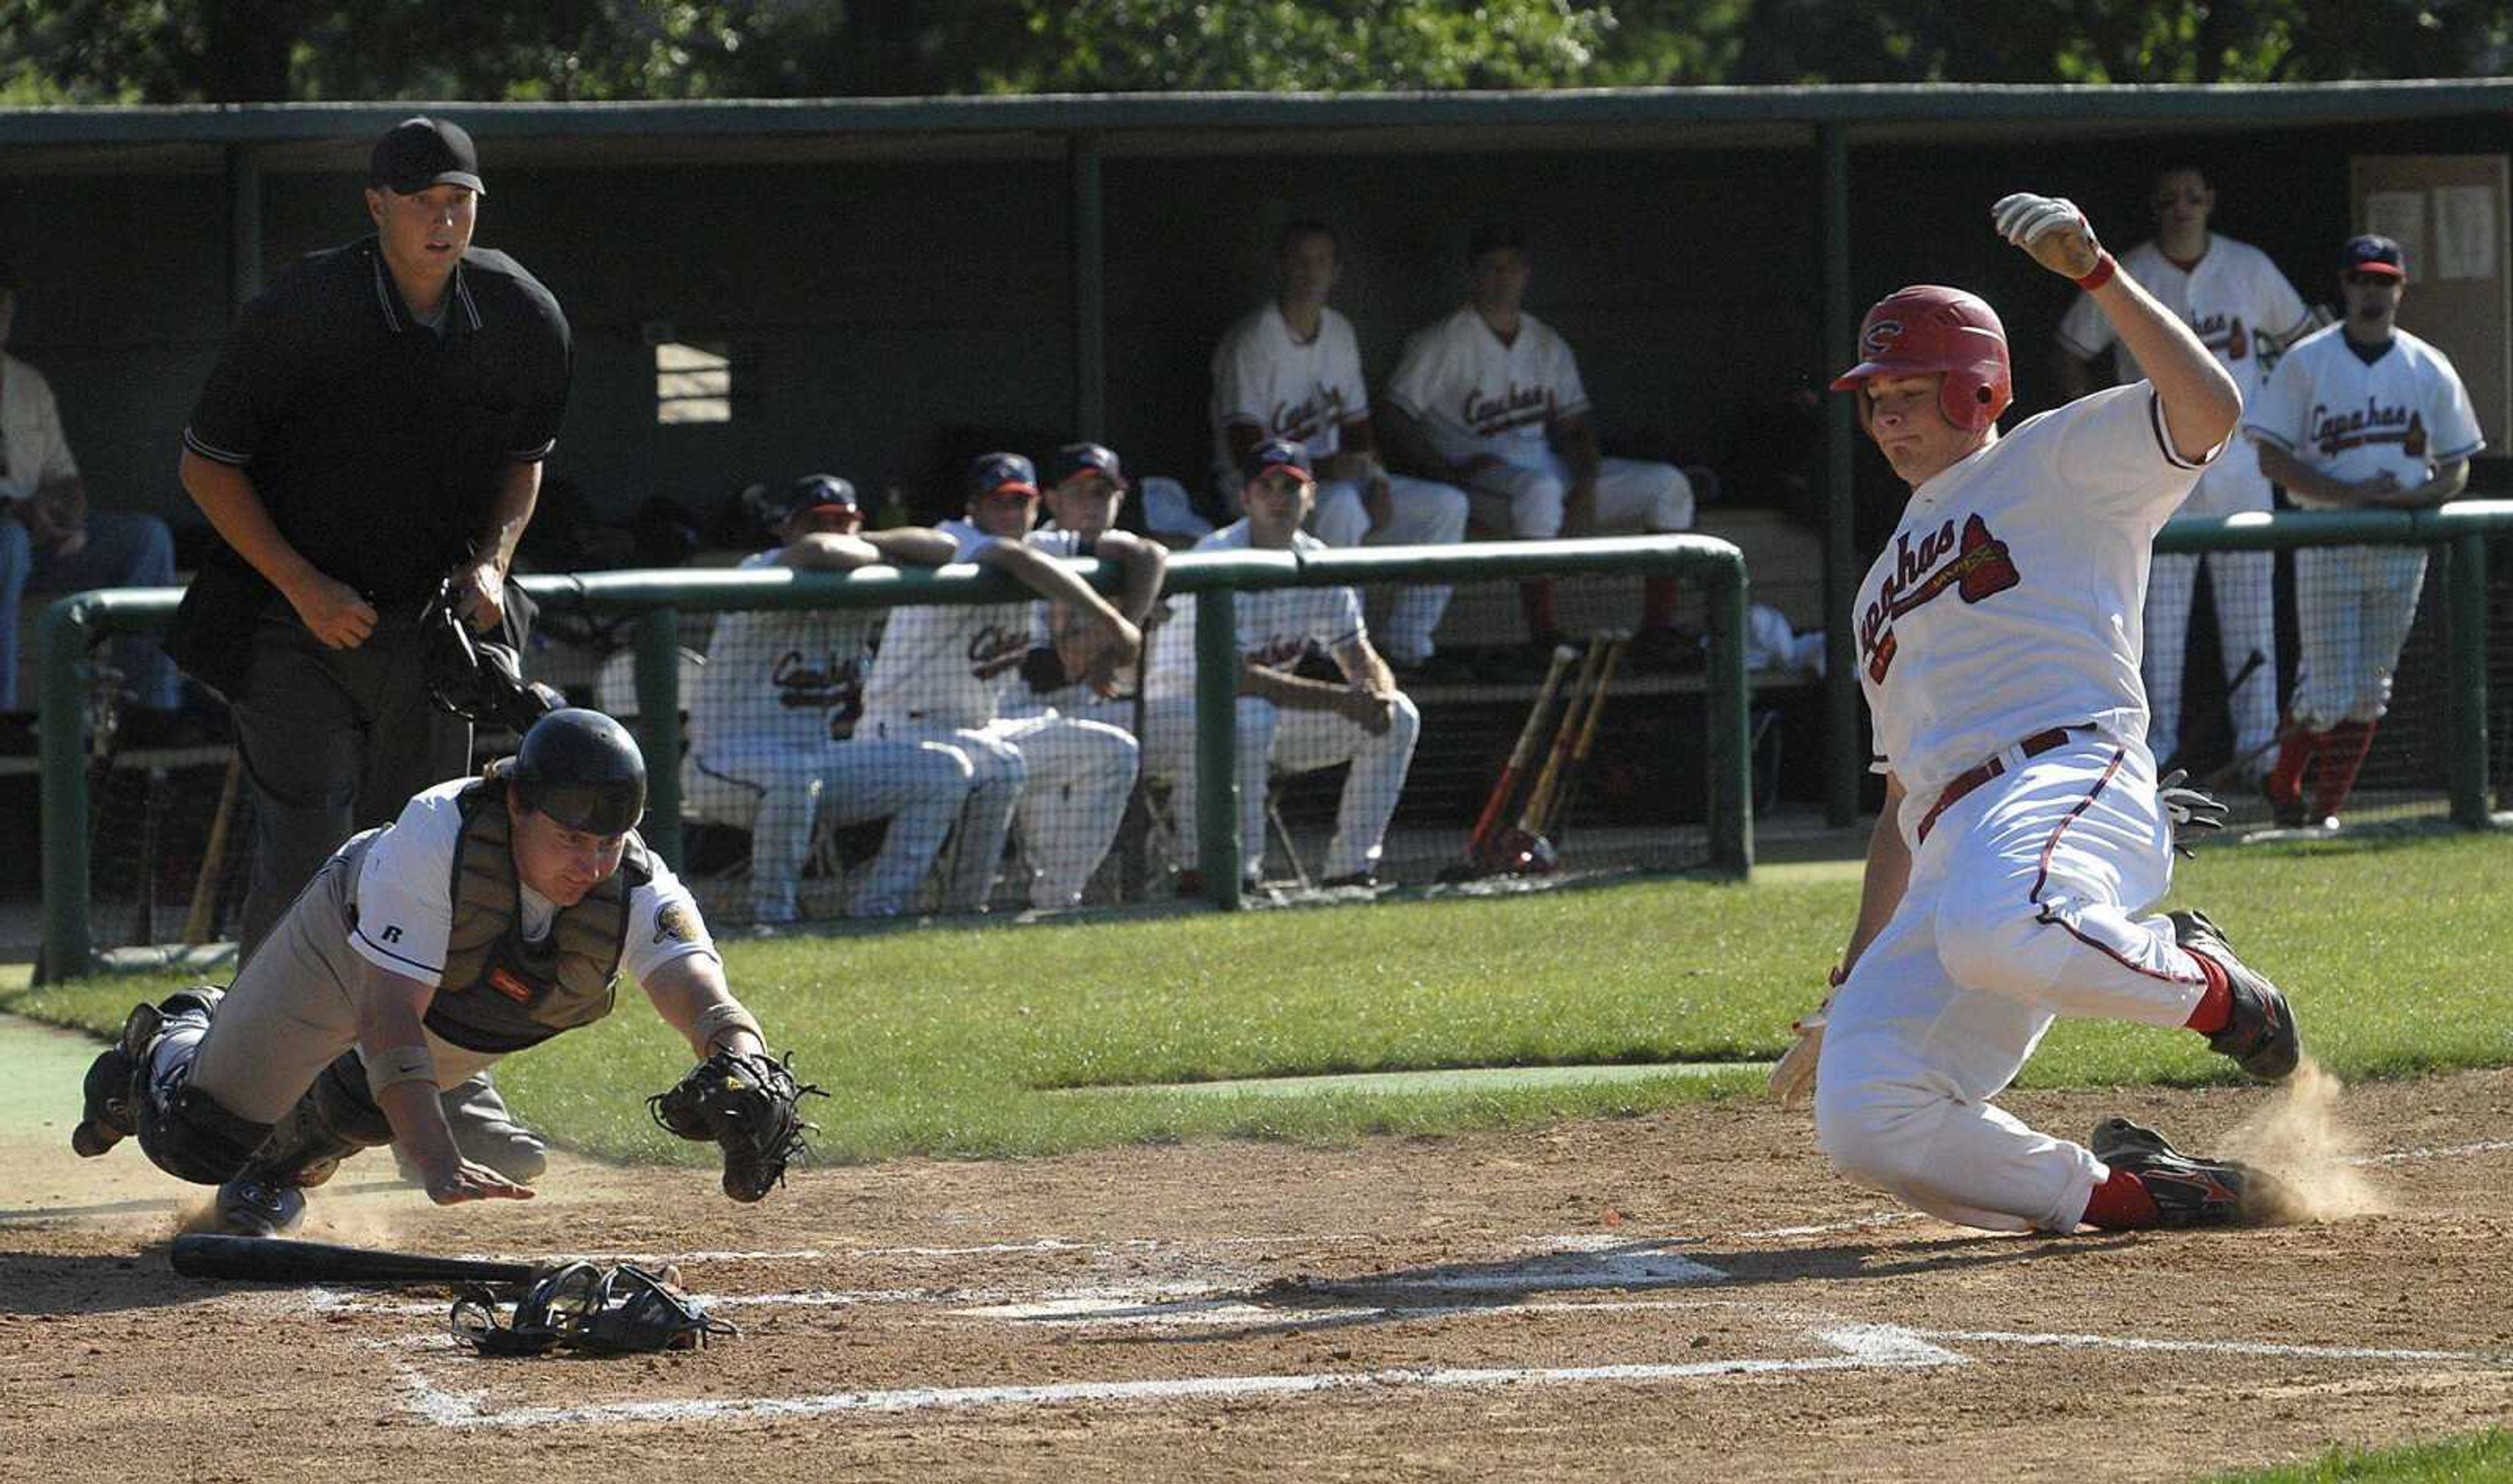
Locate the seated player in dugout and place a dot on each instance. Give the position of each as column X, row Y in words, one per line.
column 772, row 748
column 1287, row 722
column 1491, row 400
column 2024, row 831
column 1086, row 490
column 493, row 913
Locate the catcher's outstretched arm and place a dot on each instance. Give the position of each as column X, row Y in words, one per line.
column 691, row 995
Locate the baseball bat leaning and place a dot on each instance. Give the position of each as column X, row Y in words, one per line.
column 205, row 886
column 1558, row 805
column 1520, row 755
column 1540, row 798
column 281, row 1260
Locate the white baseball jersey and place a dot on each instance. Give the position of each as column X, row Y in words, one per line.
column 2228, row 298
column 406, row 899
column 2009, row 601
column 780, row 675
column 33, row 451
column 2406, row 411
column 1268, row 378
column 1474, row 395
column 1276, row 627
column 950, row 665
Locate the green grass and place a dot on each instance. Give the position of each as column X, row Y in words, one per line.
column 946, row 1041
column 2481, row 1458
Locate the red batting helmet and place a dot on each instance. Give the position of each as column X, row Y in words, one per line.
column 1928, row 328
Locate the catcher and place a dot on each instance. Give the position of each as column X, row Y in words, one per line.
column 493, row 913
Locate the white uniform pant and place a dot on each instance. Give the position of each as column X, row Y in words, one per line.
column 1275, row 739
column 2353, row 607
column 1526, row 499
column 2019, row 909
column 1423, row 513
column 781, row 793
column 2245, row 625
column 1064, row 782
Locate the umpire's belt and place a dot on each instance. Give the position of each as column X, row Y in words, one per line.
column 1989, row 768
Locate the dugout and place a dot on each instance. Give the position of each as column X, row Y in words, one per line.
column 887, row 275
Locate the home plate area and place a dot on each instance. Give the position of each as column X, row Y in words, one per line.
column 1156, row 1325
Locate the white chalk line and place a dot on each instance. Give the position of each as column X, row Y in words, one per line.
column 2260, row 1350
column 1860, row 1346
column 2448, row 1151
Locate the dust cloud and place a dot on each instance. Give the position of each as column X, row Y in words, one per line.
column 2302, row 1138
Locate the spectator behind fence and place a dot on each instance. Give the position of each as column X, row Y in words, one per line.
column 771, row 743
column 1287, row 722
column 2242, row 308
column 2360, row 414
column 1292, row 368
column 56, row 544
column 376, row 421
column 942, row 676
column 1490, row 398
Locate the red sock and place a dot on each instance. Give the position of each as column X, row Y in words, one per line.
column 2334, row 772
column 1536, row 600
column 2120, row 1204
column 2295, row 754
column 1657, row 602
column 2215, row 1008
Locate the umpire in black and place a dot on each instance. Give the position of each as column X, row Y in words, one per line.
column 376, row 423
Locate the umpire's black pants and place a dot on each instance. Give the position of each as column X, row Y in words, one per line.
column 335, row 740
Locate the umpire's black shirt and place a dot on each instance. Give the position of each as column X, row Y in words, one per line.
column 376, row 443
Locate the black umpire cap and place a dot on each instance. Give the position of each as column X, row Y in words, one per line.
column 422, row 151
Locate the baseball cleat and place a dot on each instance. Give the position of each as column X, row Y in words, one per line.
column 107, row 1113
column 2189, row 1191
column 2261, row 1035
column 254, row 1204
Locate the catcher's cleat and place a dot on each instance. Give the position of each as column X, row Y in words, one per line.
column 254, row 1204
column 2260, row 1036
column 109, row 1110
column 2189, row 1191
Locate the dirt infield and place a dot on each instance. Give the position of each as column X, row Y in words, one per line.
column 1686, row 1296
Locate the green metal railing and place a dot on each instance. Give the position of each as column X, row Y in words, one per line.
column 658, row 599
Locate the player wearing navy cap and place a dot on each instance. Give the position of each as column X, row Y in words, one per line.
column 772, row 743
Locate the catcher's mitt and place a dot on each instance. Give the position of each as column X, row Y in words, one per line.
column 619, row 1311
column 746, row 1103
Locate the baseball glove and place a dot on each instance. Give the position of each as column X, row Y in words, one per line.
column 2194, row 811
column 747, row 1105
column 621, row 1311
column 1792, row 1078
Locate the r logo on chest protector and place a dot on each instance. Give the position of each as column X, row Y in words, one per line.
column 1973, row 562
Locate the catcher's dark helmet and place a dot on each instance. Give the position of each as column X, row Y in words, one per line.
column 584, row 770
column 1931, row 328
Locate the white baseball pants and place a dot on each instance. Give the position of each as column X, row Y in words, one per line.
column 2019, row 909
column 2245, row 625
column 1424, row 513
column 1526, row 500
column 2353, row 608
column 781, row 793
column 1277, row 738
column 1065, row 783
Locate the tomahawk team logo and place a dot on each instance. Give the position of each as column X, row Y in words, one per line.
column 2337, row 431
column 1310, row 417
column 2223, row 335
column 1970, row 560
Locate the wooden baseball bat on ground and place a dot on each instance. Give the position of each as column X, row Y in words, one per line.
column 280, row 1259
column 1520, row 755
column 1558, row 805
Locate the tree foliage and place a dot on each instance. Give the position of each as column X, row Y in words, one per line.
column 224, row 51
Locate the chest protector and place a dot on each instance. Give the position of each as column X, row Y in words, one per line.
column 499, row 992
